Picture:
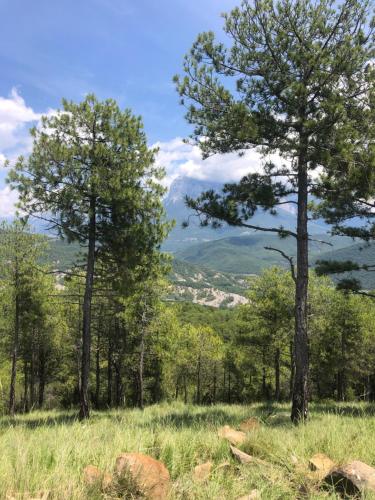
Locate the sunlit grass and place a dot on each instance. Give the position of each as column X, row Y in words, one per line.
column 47, row 451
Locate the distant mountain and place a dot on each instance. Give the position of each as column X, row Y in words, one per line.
column 181, row 238
column 246, row 254
column 361, row 253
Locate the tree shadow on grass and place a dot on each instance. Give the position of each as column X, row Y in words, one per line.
column 28, row 422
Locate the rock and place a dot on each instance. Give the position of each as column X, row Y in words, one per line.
column 91, row 475
column 250, row 424
column 244, row 458
column 241, row 456
column 149, row 475
column 320, row 461
column 224, row 466
column 321, row 465
column 353, row 478
column 202, row 472
column 107, row 481
column 233, row 436
column 253, row 495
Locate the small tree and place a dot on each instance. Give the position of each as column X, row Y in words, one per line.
column 19, row 254
column 293, row 68
column 92, row 176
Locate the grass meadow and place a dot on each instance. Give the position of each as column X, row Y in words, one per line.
column 47, row 451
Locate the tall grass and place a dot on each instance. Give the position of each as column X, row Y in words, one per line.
column 47, row 451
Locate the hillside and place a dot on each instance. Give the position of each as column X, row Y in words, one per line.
column 361, row 253
column 180, row 238
column 190, row 283
column 246, row 254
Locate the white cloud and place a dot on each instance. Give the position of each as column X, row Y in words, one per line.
column 180, row 159
column 8, row 198
column 15, row 120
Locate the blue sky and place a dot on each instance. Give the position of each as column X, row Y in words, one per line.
column 125, row 49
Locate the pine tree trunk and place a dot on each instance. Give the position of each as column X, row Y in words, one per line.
column 32, row 377
column 214, row 384
column 292, row 370
column 25, row 389
column 86, row 330
column 277, row 374
column 12, row 390
column 301, row 343
column 109, row 375
column 141, row 367
column 97, row 368
column 185, row 390
column 199, row 381
column 42, row 377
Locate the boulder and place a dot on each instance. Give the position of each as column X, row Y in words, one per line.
column 92, row 475
column 202, row 472
column 233, row 436
column 250, row 424
column 253, row 495
column 241, row 456
column 107, row 481
column 321, row 465
column 150, row 476
column 353, row 478
column 244, row 458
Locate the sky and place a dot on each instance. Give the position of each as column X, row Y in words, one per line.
column 128, row 50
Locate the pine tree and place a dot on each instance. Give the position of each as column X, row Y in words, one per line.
column 93, row 177
column 280, row 86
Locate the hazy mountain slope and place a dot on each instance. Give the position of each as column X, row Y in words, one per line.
column 181, row 238
column 358, row 252
column 246, row 254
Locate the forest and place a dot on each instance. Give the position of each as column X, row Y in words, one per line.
column 98, row 333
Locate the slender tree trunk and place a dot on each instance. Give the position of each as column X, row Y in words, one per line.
column 277, row 374
column 341, row 392
column 97, row 368
column 214, row 384
column 177, row 388
column 301, row 342
column 109, row 375
column 25, row 389
column 229, row 388
column 141, row 367
column 292, row 370
column 199, row 381
column 118, row 386
column 84, row 411
column 42, row 377
column 12, row 390
column 32, row 377
column 264, row 378
column 185, row 390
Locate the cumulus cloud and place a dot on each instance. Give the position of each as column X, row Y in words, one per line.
column 180, row 159
column 15, row 120
column 8, row 198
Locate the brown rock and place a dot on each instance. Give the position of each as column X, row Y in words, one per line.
column 202, row 472
column 353, row 478
column 321, row 465
column 253, row 495
column 250, row 424
column 233, row 436
column 107, row 481
column 241, row 456
column 244, row 458
column 224, row 466
column 91, row 475
column 150, row 475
